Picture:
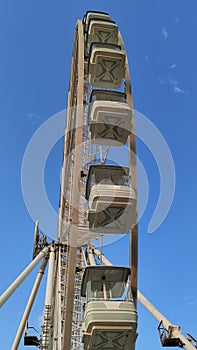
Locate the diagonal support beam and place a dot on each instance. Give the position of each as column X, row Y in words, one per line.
column 29, row 305
column 7, row 294
column 174, row 330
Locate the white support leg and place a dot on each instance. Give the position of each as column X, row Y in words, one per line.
column 102, row 257
column 6, row 295
column 91, row 256
column 47, row 326
column 29, row 305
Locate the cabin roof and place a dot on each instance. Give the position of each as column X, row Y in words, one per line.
column 103, row 172
column 101, row 274
column 94, row 15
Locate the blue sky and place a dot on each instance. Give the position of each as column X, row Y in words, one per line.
column 36, row 44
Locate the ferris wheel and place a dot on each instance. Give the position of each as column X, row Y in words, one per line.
column 91, row 304
column 96, row 198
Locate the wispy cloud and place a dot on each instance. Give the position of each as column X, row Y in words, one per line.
column 146, row 59
column 171, row 82
column 190, row 301
column 162, row 81
column 164, row 32
column 19, row 314
column 173, row 66
column 178, row 90
column 175, row 85
column 40, row 320
column 176, row 20
column 33, row 116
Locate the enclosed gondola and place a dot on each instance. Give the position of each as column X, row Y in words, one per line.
column 109, row 117
column 110, row 317
column 106, row 65
column 111, row 199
